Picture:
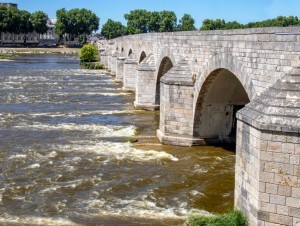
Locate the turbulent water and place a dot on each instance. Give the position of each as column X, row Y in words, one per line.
column 66, row 156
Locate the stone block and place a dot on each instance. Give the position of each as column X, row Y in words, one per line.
column 284, row 190
column 274, row 146
column 293, row 202
column 268, row 207
column 281, row 219
column 279, row 168
column 288, row 148
column 296, row 193
column 286, row 180
column 282, row 210
column 277, row 199
column 271, row 188
column 295, row 212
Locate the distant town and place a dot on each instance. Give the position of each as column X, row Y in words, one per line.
column 47, row 39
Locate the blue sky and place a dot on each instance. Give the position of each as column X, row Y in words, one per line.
column 243, row 11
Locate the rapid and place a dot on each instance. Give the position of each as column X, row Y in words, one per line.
column 74, row 151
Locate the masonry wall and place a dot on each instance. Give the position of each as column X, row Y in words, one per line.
column 267, row 179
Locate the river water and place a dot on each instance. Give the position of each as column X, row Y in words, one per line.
column 66, row 156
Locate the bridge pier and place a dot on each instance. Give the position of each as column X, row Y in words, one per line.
column 130, row 71
column 103, row 58
column 146, row 85
column 267, row 175
column 114, row 63
column 176, row 107
column 120, row 68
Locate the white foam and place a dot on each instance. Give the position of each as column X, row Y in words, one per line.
column 9, row 219
column 33, row 166
column 119, row 151
column 17, row 156
column 101, row 130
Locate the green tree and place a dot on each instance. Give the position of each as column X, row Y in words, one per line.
column 137, row 21
column 76, row 22
column 39, row 22
column 25, row 25
column 217, row 24
column 113, row 29
column 89, row 53
column 154, row 22
column 3, row 20
column 168, row 21
column 61, row 26
column 12, row 21
column 233, row 25
column 187, row 23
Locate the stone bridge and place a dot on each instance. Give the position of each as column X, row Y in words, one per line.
column 212, row 87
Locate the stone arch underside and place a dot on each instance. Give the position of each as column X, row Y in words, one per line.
column 165, row 65
column 222, row 88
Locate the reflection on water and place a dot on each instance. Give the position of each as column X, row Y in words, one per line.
column 65, row 158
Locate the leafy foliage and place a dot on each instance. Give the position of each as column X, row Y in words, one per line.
column 89, row 53
column 76, row 22
column 187, row 23
column 113, row 29
column 279, row 21
column 168, row 21
column 233, row 218
column 39, row 22
column 143, row 21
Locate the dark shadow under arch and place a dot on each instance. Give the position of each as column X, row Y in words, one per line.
column 142, row 57
column 220, row 97
column 130, row 52
column 165, row 65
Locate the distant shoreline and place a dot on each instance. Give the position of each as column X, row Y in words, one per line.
column 17, row 51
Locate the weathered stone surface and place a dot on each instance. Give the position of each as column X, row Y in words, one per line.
column 199, row 80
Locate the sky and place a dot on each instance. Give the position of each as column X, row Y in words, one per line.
column 243, row 11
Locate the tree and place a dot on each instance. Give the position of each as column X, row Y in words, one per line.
column 113, row 29
column 137, row 21
column 76, row 22
column 3, row 20
column 233, row 25
column 154, row 22
column 12, row 21
column 186, row 23
column 25, row 25
column 217, row 24
column 168, row 21
column 89, row 53
column 61, row 26
column 39, row 22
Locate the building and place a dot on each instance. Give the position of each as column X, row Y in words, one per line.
column 9, row 4
column 33, row 39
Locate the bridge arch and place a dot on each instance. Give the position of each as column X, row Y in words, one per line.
column 222, row 89
column 165, row 65
column 142, row 56
column 129, row 52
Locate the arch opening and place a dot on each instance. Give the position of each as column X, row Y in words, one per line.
column 130, row 52
column 165, row 65
column 220, row 97
column 122, row 50
column 142, row 57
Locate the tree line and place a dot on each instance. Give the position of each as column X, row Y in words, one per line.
column 280, row 21
column 143, row 21
column 15, row 21
column 75, row 22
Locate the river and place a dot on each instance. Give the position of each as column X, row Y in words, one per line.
column 66, row 156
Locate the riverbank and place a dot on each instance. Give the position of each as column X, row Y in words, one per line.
column 18, row 51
